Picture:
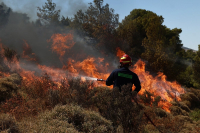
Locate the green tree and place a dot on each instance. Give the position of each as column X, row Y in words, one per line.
column 98, row 22
column 132, row 32
column 4, row 14
column 196, row 69
column 144, row 36
column 47, row 14
column 65, row 21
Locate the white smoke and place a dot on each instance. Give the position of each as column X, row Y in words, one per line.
column 67, row 7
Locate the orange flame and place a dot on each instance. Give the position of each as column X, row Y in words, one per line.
column 158, row 85
column 27, row 52
column 61, row 42
column 96, row 68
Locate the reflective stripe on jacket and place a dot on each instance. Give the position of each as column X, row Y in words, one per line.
column 123, row 76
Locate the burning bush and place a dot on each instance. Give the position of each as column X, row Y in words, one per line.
column 21, row 108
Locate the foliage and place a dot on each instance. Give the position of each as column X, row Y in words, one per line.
column 196, row 67
column 76, row 91
column 4, row 14
column 71, row 118
column 195, row 114
column 145, row 36
column 65, row 21
column 9, row 53
column 47, row 14
column 132, row 31
column 99, row 23
column 78, row 106
column 9, row 86
column 7, row 122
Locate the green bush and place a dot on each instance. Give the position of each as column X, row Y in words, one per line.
column 8, row 86
column 195, row 114
column 73, row 117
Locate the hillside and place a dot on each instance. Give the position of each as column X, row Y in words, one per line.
column 49, row 70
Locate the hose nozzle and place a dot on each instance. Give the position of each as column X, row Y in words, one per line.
column 100, row 80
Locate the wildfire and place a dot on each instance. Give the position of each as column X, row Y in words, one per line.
column 158, row 85
column 91, row 67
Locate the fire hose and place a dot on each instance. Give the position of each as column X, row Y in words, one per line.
column 139, row 107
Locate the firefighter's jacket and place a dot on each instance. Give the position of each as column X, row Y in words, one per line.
column 123, row 76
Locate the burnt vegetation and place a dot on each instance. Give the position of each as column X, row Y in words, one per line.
column 77, row 106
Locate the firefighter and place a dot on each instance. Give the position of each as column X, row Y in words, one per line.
column 124, row 76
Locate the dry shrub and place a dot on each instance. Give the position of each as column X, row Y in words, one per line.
column 41, row 125
column 8, row 123
column 189, row 125
column 195, row 91
column 53, row 97
column 75, row 91
column 175, row 110
column 38, row 88
column 72, row 118
column 9, row 53
column 165, row 122
column 42, row 90
column 160, row 112
column 9, row 86
column 20, row 108
column 182, row 105
column 193, row 100
column 170, row 124
column 147, row 98
column 118, row 107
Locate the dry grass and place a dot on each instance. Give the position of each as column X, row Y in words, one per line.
column 8, row 123
column 68, row 109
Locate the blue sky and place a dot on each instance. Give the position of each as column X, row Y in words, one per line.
column 182, row 14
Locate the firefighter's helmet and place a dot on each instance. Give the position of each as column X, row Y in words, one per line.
column 125, row 59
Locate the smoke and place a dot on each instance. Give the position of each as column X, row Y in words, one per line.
column 19, row 30
column 71, row 6
column 67, row 7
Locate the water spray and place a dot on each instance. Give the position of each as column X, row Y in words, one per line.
column 92, row 78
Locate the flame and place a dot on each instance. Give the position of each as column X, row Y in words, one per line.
column 87, row 67
column 158, row 85
column 61, row 42
column 90, row 68
column 27, row 52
